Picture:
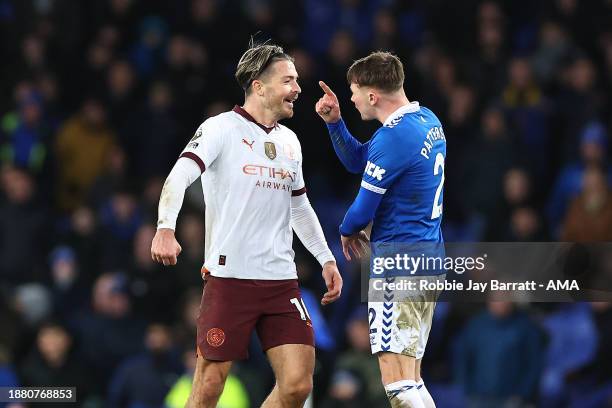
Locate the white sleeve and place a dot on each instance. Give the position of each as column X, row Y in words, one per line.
column 182, row 175
column 205, row 145
column 306, row 225
column 299, row 186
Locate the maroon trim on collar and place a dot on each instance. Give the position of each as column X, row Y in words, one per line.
column 240, row 110
column 195, row 158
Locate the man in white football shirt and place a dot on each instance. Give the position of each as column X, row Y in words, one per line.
column 251, row 171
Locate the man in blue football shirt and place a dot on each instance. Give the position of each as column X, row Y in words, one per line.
column 401, row 192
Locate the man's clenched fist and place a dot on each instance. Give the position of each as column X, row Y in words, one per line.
column 165, row 248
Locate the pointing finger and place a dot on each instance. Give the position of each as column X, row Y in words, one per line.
column 327, row 89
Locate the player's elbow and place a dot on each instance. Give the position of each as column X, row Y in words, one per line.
column 355, row 169
column 353, row 166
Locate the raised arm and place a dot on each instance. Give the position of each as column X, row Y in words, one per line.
column 349, row 150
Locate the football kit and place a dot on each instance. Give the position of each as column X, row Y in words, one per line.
column 401, row 193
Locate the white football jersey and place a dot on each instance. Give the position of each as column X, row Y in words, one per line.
column 249, row 174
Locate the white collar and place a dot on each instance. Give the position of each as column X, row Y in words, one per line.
column 409, row 108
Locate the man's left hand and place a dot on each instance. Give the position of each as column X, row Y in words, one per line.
column 333, row 281
column 357, row 243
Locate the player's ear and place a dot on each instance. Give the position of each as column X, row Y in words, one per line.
column 257, row 87
column 372, row 98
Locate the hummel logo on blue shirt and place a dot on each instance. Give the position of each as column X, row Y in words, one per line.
column 374, row 171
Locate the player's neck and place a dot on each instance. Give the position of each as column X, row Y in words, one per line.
column 260, row 113
column 389, row 105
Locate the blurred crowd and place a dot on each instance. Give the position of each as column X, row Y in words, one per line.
column 100, row 96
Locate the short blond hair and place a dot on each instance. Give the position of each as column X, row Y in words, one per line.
column 255, row 61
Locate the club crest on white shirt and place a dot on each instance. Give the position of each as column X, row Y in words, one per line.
column 270, row 150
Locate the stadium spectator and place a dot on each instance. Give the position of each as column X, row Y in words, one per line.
column 591, row 386
column 28, row 139
column 153, row 289
column 120, row 218
column 151, row 134
column 23, row 228
column 356, row 376
column 554, row 45
column 526, row 225
column 34, row 303
column 69, row 289
column 52, row 363
column 145, row 379
column 120, row 97
column 111, row 178
column 578, row 103
column 488, row 66
column 147, row 52
column 107, row 333
column 525, row 107
column 188, row 73
column 461, row 113
column 87, row 132
column 501, row 371
column 486, row 161
column 516, row 193
column 569, row 182
column 386, row 33
column 567, row 351
column 589, row 217
column 340, row 55
column 80, row 232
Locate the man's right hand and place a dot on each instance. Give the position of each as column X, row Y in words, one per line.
column 165, row 248
column 328, row 107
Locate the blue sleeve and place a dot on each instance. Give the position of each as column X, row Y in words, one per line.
column 387, row 159
column 361, row 212
column 349, row 150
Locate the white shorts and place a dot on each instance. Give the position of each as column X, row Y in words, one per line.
column 402, row 326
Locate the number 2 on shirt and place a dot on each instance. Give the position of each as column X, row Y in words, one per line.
column 436, row 211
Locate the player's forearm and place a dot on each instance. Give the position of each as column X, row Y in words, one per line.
column 306, row 225
column 354, row 221
column 361, row 212
column 348, row 149
column 182, row 175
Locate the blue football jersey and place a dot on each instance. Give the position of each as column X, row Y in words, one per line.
column 405, row 163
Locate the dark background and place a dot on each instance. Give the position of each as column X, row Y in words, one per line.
column 100, row 96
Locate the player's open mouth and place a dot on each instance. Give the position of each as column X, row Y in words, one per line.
column 290, row 102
